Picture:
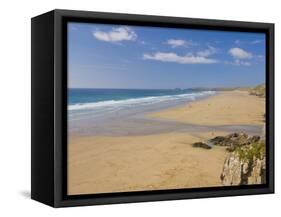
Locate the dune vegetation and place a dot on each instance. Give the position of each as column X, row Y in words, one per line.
column 259, row 90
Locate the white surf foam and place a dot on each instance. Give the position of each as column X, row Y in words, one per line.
column 139, row 101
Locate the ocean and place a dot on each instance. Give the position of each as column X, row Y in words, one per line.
column 122, row 111
column 119, row 112
column 90, row 99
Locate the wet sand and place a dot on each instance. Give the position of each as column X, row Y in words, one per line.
column 162, row 160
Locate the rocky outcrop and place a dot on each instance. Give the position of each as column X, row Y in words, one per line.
column 245, row 163
column 242, row 172
column 201, row 145
column 234, row 140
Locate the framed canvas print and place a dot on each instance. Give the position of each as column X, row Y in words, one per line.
column 131, row 108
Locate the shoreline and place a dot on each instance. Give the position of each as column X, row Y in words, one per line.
column 165, row 160
column 164, row 120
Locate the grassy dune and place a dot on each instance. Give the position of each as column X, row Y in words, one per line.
column 258, row 90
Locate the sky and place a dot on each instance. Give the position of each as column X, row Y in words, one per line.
column 138, row 57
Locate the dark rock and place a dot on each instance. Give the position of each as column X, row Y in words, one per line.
column 201, row 145
column 254, row 139
column 219, row 140
column 232, row 135
column 234, row 140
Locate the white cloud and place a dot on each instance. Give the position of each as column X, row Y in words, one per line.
column 208, row 52
column 241, row 63
column 173, row 57
column 116, row 35
column 179, row 43
column 176, row 42
column 237, row 42
column 256, row 42
column 239, row 53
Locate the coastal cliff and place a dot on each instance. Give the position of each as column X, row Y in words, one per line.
column 245, row 165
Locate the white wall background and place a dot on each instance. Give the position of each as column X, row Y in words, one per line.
column 15, row 106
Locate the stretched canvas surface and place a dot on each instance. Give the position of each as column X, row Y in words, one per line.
column 156, row 108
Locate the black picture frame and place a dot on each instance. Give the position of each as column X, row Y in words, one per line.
column 49, row 108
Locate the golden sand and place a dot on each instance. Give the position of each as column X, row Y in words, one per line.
column 226, row 108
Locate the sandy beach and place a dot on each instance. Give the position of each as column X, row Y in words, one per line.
column 100, row 164
column 227, row 108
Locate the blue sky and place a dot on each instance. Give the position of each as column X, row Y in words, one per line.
column 115, row 56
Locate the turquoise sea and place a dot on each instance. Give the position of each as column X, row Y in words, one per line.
column 89, row 99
